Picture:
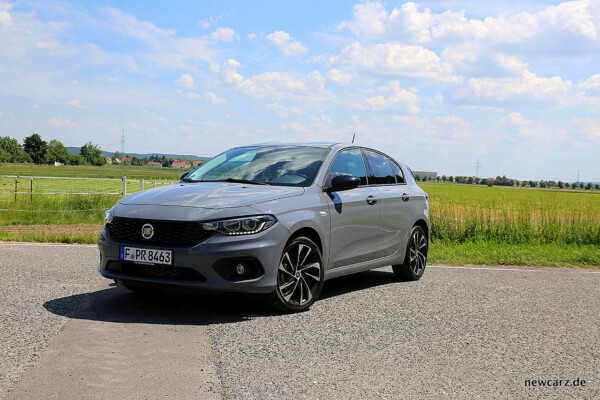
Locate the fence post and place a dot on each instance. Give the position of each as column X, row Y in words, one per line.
column 142, row 185
column 124, row 186
column 31, row 193
column 154, row 184
column 16, row 183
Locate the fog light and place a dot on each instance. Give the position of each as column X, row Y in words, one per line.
column 240, row 269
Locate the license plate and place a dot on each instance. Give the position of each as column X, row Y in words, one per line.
column 146, row 256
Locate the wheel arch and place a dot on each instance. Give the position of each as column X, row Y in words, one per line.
column 423, row 224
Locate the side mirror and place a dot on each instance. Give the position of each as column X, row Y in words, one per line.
column 184, row 175
column 344, row 182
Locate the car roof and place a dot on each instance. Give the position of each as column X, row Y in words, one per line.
column 309, row 144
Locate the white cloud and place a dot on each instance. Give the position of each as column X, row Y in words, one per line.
column 5, row 18
column 112, row 79
column 277, row 85
column 49, row 45
column 185, row 81
column 524, row 89
column 591, row 85
column 394, row 59
column 35, row 106
column 338, row 77
column 213, row 98
column 60, row 122
column 283, row 111
column 192, row 95
column 391, row 96
column 282, row 40
column 1, row 114
column 223, row 34
column 76, row 104
column 567, row 28
column 251, row 36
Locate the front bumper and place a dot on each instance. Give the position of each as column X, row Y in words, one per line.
column 197, row 263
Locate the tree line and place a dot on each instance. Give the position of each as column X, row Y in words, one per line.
column 504, row 181
column 38, row 151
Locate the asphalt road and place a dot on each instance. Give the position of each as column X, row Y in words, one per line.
column 457, row 333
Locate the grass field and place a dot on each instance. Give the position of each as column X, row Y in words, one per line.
column 105, row 171
column 470, row 224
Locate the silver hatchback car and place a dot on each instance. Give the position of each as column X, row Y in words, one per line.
column 277, row 219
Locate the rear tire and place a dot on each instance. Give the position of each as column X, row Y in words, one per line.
column 415, row 259
column 299, row 277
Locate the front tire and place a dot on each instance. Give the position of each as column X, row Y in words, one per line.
column 415, row 259
column 299, row 277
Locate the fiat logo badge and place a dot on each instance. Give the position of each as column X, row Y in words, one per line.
column 147, row 231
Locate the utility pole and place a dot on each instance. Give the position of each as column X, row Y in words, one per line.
column 577, row 175
column 477, row 166
column 123, row 142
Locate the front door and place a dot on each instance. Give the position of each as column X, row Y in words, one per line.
column 355, row 214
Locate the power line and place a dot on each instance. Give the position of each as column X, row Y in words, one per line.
column 123, row 142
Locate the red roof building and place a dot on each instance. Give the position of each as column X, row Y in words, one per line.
column 126, row 159
column 180, row 164
column 154, row 164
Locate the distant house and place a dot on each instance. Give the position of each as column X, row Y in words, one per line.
column 181, row 164
column 430, row 175
column 154, row 164
column 58, row 164
column 197, row 162
column 126, row 159
column 108, row 160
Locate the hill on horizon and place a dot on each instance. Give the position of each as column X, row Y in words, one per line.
column 75, row 150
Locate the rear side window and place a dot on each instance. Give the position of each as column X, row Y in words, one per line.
column 381, row 170
column 348, row 162
column 398, row 172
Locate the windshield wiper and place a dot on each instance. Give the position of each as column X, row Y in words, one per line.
column 246, row 181
column 189, row 180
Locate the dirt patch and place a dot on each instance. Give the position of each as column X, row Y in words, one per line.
column 78, row 229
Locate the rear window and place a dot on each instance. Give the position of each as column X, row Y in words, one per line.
column 398, row 172
column 380, row 168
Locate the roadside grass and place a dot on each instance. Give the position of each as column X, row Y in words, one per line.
column 85, row 238
column 495, row 253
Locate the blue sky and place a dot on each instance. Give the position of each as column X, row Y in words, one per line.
column 436, row 84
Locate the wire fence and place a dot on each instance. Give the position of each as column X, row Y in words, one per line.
column 33, row 186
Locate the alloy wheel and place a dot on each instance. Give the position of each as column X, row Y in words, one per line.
column 299, row 275
column 418, row 252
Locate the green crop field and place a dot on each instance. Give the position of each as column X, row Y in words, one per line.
column 470, row 224
column 514, row 226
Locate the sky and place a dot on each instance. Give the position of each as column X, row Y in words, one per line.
column 437, row 84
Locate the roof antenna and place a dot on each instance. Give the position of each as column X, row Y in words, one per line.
column 353, row 136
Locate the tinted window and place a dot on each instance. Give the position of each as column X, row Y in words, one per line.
column 348, row 162
column 381, row 170
column 398, row 172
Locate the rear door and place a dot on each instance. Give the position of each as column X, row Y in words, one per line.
column 392, row 195
column 354, row 213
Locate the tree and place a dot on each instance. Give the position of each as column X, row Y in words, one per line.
column 588, row 186
column 560, row 184
column 57, row 152
column 532, row 184
column 35, row 147
column 417, row 178
column 524, row 183
column 92, row 154
column 11, row 151
column 490, row 183
column 444, row 178
column 117, row 155
column 574, row 185
column 597, row 186
column 450, row 179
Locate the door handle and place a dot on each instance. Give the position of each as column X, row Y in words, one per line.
column 371, row 200
column 405, row 197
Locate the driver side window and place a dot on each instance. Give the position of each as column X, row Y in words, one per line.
column 348, row 162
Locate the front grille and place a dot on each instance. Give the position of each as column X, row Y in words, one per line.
column 156, row 271
column 166, row 233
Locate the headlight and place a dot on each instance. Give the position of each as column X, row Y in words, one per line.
column 108, row 217
column 241, row 226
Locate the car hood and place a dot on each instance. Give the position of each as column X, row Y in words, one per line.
column 211, row 195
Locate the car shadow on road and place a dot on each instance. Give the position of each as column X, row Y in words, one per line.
column 117, row 304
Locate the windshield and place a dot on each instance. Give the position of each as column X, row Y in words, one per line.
column 285, row 166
